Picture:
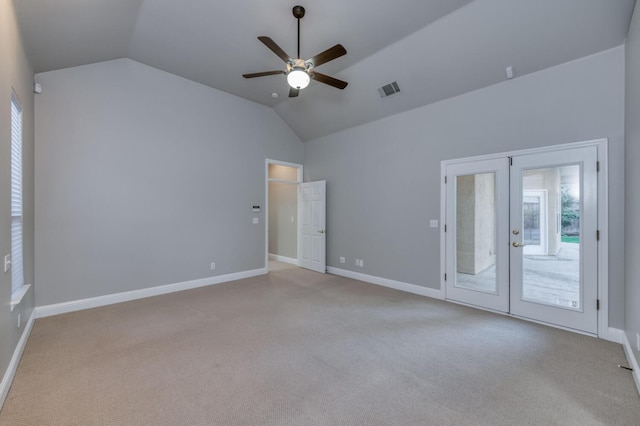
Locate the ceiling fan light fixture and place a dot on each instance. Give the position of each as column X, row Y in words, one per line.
column 298, row 78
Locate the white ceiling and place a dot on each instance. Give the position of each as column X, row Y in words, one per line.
column 434, row 49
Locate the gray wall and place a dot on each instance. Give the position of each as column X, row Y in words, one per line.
column 383, row 178
column 283, row 233
column 632, row 189
column 144, row 178
column 15, row 72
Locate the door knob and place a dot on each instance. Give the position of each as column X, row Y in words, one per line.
column 321, row 231
column 515, row 232
column 517, row 244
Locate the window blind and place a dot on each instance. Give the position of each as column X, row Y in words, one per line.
column 17, row 271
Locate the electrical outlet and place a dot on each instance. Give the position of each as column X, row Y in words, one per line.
column 357, row 262
column 361, row 263
column 213, row 265
column 342, row 259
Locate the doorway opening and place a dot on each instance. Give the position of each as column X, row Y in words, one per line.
column 281, row 212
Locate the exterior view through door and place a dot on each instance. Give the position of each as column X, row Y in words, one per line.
column 521, row 234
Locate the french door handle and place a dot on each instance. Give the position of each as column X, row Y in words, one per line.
column 321, row 231
column 517, row 244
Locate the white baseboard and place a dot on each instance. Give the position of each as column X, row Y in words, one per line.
column 7, row 380
column 283, row 259
column 109, row 299
column 614, row 335
column 398, row 285
column 633, row 362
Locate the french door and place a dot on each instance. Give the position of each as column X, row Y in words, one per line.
column 521, row 235
column 477, row 202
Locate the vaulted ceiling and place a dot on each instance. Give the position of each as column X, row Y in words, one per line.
column 434, row 49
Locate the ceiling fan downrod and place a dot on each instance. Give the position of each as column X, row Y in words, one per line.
column 298, row 13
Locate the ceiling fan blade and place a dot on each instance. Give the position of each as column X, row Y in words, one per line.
column 262, row 74
column 328, row 55
column 293, row 93
column 274, row 48
column 323, row 78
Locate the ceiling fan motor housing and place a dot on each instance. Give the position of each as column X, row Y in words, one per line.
column 300, row 64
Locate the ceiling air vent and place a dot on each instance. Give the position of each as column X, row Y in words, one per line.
column 389, row 90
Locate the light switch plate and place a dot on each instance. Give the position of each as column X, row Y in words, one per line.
column 256, row 220
column 433, row 223
column 7, row 263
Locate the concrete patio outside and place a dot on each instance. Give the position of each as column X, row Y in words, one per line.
column 551, row 280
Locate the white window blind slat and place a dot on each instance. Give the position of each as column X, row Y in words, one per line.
column 17, row 268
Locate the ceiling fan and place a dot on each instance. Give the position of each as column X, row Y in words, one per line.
column 299, row 72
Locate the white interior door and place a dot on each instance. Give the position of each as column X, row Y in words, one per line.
column 312, row 200
column 557, row 284
column 477, row 209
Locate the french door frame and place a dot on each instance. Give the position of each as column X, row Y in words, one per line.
column 602, row 224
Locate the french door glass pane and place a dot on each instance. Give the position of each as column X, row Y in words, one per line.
column 551, row 233
column 476, row 232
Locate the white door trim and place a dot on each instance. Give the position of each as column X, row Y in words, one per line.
column 300, row 174
column 539, row 150
column 603, row 217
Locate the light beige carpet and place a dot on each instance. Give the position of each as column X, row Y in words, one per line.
column 300, row 348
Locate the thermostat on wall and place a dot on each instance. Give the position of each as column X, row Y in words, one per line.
column 256, row 208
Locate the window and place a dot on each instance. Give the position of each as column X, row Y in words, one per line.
column 17, row 273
